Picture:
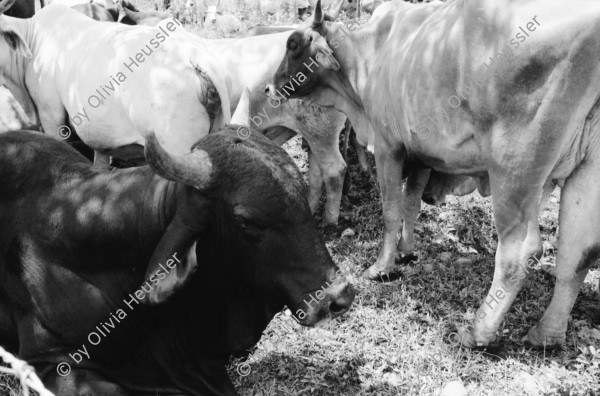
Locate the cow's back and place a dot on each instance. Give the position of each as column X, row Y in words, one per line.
column 445, row 59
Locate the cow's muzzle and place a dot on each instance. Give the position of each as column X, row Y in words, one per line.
column 274, row 95
column 331, row 301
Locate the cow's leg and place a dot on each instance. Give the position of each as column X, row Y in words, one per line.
column 315, row 182
column 360, row 152
column 547, row 191
column 389, row 163
column 413, row 191
column 348, row 175
column 326, row 154
column 519, row 245
column 579, row 248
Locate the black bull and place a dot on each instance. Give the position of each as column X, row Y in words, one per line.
column 77, row 242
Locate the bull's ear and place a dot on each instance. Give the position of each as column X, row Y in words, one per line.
column 15, row 42
column 173, row 263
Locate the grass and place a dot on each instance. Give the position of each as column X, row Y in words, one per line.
column 397, row 339
column 9, row 386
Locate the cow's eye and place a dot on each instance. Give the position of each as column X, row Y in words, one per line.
column 292, row 45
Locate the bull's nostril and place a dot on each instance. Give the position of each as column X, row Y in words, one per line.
column 429, row 200
column 338, row 308
column 342, row 303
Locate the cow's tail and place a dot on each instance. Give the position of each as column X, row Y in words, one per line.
column 42, row 3
column 213, row 77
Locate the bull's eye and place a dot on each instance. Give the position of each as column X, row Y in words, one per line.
column 245, row 226
column 292, row 45
column 248, row 225
column 250, row 232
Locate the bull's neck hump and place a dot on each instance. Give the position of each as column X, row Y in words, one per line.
column 159, row 204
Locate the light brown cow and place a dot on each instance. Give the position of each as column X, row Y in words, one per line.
column 507, row 88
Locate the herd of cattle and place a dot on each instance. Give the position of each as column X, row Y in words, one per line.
column 184, row 262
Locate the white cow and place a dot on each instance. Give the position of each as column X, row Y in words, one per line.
column 112, row 83
column 215, row 19
column 250, row 62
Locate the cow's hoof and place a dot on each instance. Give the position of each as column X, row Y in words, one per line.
column 375, row 274
column 537, row 339
column 470, row 340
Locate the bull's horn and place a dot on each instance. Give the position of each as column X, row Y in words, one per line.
column 242, row 112
column 193, row 169
column 318, row 17
column 5, row 5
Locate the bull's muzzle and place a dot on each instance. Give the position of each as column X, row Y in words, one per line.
column 329, row 302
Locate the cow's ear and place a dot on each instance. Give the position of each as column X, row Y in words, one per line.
column 121, row 14
column 15, row 42
column 173, row 263
column 324, row 54
column 318, row 17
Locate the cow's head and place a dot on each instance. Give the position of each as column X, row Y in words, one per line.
column 309, row 62
column 130, row 16
column 11, row 39
column 256, row 245
column 211, row 12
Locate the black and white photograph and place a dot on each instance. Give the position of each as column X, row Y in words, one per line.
column 299, row 197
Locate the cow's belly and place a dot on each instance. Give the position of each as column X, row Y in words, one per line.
column 103, row 135
column 120, row 127
column 447, row 146
column 462, row 154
